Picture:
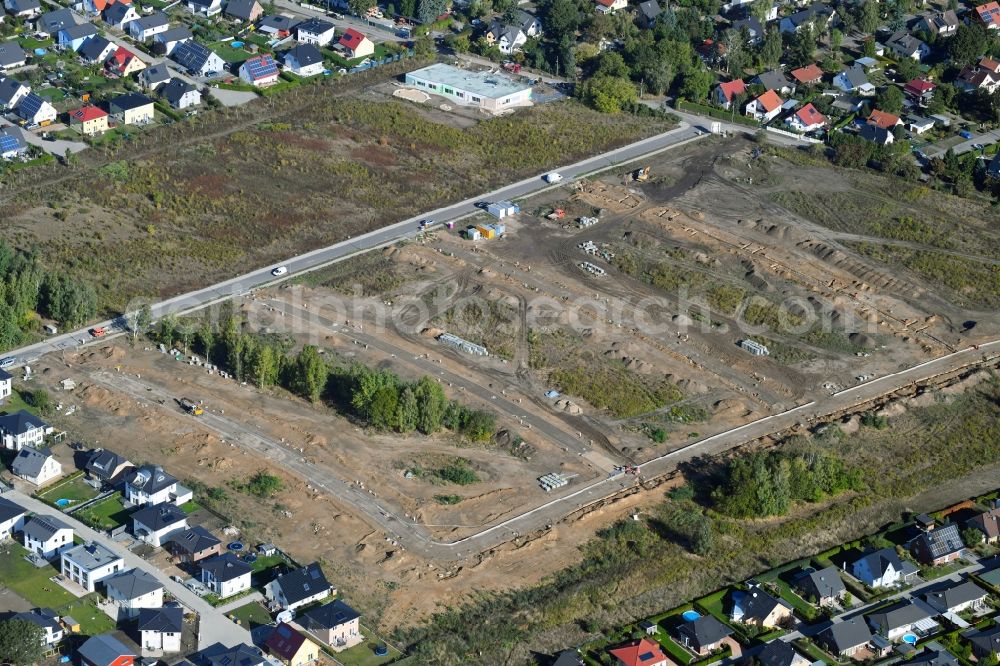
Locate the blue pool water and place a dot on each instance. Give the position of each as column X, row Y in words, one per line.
column 63, row 502
column 910, row 638
column 237, row 45
column 235, row 546
column 690, row 615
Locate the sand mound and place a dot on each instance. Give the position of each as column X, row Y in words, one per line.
column 729, row 408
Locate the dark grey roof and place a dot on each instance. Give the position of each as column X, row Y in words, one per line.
column 220, row 655
column 813, row 11
column 43, row 617
column 159, row 516
column 986, row 640
column 900, row 614
column 225, row 567
column 568, row 658
column 777, row 653
column 823, row 583
column 193, row 540
column 102, row 462
column 304, row 54
column 93, row 48
column 116, row 13
column 874, row 133
column 314, row 26
column 148, row 478
column 167, row 620
column 9, row 510
column 18, row 6
column 80, row 31
column 29, row 461
column 4, row 375
column 330, row 615
column 755, row 603
column 42, row 527
column 102, row 650
column 133, row 583
column 91, row 555
column 176, row 89
column 241, row 9
column 11, row 53
column 174, row 34
column 20, row 422
column 933, row 658
column 9, row 86
column 157, row 73
column 879, row 560
column 53, row 22
column 278, row 22
column 650, row 9
column 942, row 541
column 302, row 583
column 191, row 55
column 847, row 634
column 706, row 630
column 753, row 26
column 154, row 20
column 953, row 595
column 773, row 80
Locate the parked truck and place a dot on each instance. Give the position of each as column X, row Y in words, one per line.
column 191, row 407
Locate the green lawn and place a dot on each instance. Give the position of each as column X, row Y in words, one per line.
column 30, row 43
column 228, row 53
column 713, row 604
column 930, row 573
column 29, row 581
column 251, row 615
column 676, row 652
column 106, row 514
column 364, row 654
column 190, row 507
column 93, row 620
column 263, row 563
column 15, row 403
column 74, row 489
column 52, row 94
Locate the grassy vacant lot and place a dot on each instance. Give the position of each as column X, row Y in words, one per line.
column 242, row 187
column 252, row 615
column 369, row 274
column 106, row 514
column 28, row 581
column 925, row 459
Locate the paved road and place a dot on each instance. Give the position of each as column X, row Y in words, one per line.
column 375, row 32
column 215, row 627
column 373, row 239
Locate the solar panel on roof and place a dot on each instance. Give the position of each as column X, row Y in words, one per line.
column 8, row 143
column 260, row 68
column 645, row 656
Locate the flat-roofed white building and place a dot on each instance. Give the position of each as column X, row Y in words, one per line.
column 487, row 90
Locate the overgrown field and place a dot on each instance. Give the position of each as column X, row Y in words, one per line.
column 198, row 210
column 687, row 547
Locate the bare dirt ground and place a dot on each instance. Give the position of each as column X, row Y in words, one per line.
column 700, row 262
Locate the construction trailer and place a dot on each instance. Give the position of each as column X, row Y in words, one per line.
column 754, row 347
column 464, row 345
column 472, row 233
column 486, row 231
column 502, row 209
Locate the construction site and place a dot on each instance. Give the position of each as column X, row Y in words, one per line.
column 612, row 322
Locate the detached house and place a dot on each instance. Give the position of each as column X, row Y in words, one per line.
column 355, row 45
column 165, row 42
column 12, row 92
column 988, row 523
column 957, row 597
column 6, row 379
column 642, row 652
column 884, row 119
column 220, row 655
column 260, row 71
column 816, row 15
column 941, row 24
column 247, row 11
column 726, row 92
column 985, row 642
column 96, row 50
column 11, row 518
column 119, row 15
column 277, row 25
column 153, row 524
column 160, row 630
column 989, row 15
column 23, row 8
column 298, row 588
column 155, row 76
column 755, row 31
column 971, row 79
column 938, row 546
column 703, row 635
column 50, row 23
column 877, row 135
column 920, row 90
column 902, row 618
column 46, row 620
column 193, row 545
column 649, row 11
column 609, row 6
column 780, row 653
column 291, row 647
column 847, row 638
column 806, row 119
column 47, row 536
column 12, row 56
column 765, row 108
column 775, row 80
column 180, row 94
column 89, row 563
column 204, row 7
column 37, row 466
column 882, row 568
column 147, row 27
column 22, row 428
column 906, row 45
column 75, row 36
column 823, row 587
column 149, row 484
column 105, row 650
column 136, row 109
column 335, row 623
column 198, row 60
column 97, row 6
column 134, row 590
column 507, row 38
column 758, row 608
column 314, row 31
column 124, row 63
column 225, row 575
column 304, row 60
column 810, row 75
column 854, row 80
column 105, row 465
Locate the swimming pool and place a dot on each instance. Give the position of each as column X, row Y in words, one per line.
column 62, row 501
column 690, row 615
column 910, row 638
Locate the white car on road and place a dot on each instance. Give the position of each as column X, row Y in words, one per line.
column 553, row 177
column 280, row 270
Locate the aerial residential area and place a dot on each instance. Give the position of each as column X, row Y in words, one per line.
column 552, row 332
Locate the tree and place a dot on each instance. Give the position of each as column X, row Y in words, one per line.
column 609, row 94
column 309, row 373
column 41, row 401
column 138, row 321
column 360, row 7
column 407, row 411
column 408, row 8
column 967, row 44
column 868, row 19
column 696, row 84
column 21, row 642
column 971, row 537
column 836, row 39
column 68, row 301
column 432, row 404
column 611, row 63
column 382, row 408
column 429, row 10
column 770, row 51
column 263, row 484
column 423, row 46
column 889, row 99
column 266, row 366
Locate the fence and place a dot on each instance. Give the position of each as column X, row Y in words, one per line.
column 797, row 137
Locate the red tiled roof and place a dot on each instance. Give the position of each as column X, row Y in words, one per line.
column 990, row 64
column 808, row 74
column 101, row 5
column 85, row 113
column 351, row 39
column 882, row 119
column 809, row 115
column 770, row 101
column 919, row 86
column 639, row 653
column 284, row 641
column 732, row 88
column 989, row 13
column 122, row 55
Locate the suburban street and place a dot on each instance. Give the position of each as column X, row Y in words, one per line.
column 214, row 626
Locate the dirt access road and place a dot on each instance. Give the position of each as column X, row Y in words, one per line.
column 412, row 535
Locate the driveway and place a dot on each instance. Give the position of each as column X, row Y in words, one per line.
column 57, row 147
column 232, row 97
column 215, row 627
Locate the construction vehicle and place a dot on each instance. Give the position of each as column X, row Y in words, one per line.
column 191, row 407
column 99, row 331
column 512, row 67
column 557, row 214
column 641, row 175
